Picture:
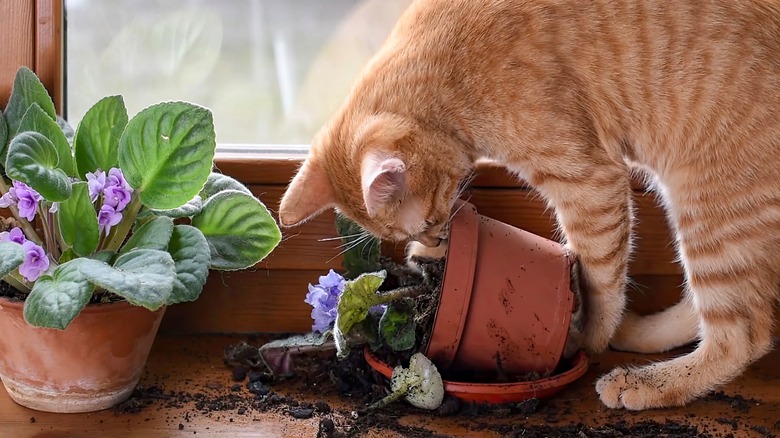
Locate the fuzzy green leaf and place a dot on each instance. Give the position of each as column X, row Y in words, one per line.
column 239, row 228
column 154, row 234
column 190, row 252
column 78, row 221
column 96, row 144
column 27, row 90
column 397, row 325
column 143, row 277
column 67, row 256
column 11, row 256
column 218, row 182
column 37, row 120
column 103, row 256
column 32, row 159
column 167, row 152
column 191, row 208
column 359, row 295
column 360, row 257
column 57, row 299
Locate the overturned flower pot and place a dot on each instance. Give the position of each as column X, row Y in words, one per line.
column 505, row 306
column 505, row 298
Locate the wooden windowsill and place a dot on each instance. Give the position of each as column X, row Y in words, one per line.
column 193, row 364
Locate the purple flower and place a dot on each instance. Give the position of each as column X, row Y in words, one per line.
column 116, row 197
column 9, row 198
column 324, row 298
column 15, row 235
column 96, row 182
column 107, row 218
column 24, row 197
column 117, row 179
column 117, row 191
column 35, row 261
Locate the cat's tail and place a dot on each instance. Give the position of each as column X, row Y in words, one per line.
column 671, row 328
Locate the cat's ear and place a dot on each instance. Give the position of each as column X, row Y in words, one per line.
column 309, row 194
column 383, row 180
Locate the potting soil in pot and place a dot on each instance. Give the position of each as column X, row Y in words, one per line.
column 11, row 293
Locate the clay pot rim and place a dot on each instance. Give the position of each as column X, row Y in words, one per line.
column 457, row 284
column 113, row 306
column 578, row 368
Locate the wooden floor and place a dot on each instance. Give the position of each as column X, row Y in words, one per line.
column 750, row 406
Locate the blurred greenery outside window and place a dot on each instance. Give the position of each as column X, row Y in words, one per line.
column 271, row 71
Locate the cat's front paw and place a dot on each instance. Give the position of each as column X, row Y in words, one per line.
column 417, row 249
column 585, row 333
column 642, row 388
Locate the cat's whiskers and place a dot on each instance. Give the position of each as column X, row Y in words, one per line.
column 452, row 215
column 464, row 185
column 351, row 245
column 360, row 238
column 327, row 239
column 287, row 237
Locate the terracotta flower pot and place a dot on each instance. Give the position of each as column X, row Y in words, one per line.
column 506, row 297
column 506, row 294
column 94, row 364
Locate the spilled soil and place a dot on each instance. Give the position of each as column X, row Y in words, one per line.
column 352, row 381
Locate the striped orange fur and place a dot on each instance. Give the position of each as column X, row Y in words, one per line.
column 574, row 96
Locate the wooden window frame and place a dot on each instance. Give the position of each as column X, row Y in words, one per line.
column 32, row 36
column 269, row 298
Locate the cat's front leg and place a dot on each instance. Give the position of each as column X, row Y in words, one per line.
column 594, row 212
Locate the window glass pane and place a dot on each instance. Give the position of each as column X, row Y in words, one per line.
column 272, row 71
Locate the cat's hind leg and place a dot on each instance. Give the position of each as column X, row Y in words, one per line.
column 670, row 328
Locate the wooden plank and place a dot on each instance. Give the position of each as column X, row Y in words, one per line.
column 48, row 48
column 302, row 247
column 652, row 293
column 259, row 300
column 17, row 39
column 271, row 301
column 258, row 168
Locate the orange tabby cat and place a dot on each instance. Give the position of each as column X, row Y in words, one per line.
column 571, row 96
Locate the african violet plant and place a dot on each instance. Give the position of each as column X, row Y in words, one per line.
column 350, row 309
column 127, row 206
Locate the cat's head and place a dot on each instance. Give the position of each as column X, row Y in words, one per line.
column 393, row 176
